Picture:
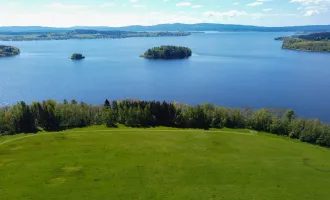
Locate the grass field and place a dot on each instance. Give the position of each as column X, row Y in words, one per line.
column 126, row 163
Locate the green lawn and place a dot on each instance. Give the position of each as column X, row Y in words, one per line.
column 126, row 163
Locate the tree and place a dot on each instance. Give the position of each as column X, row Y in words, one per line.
column 290, row 115
column 51, row 118
column 261, row 120
column 107, row 103
column 108, row 118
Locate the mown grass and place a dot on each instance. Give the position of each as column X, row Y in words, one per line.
column 158, row 163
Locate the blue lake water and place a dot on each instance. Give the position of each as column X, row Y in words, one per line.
column 227, row 69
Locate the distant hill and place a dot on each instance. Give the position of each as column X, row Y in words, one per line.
column 175, row 27
column 31, row 29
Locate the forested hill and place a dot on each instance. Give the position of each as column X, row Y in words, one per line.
column 176, row 27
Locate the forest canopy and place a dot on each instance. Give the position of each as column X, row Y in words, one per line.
column 77, row 56
column 83, row 34
column 318, row 42
column 167, row 52
column 8, row 51
column 54, row 116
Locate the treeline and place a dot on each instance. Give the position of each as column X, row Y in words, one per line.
column 167, row 52
column 324, row 36
column 304, row 45
column 52, row 116
column 318, row 42
column 84, row 34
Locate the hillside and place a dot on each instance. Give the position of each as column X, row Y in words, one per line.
column 158, row 163
column 176, row 27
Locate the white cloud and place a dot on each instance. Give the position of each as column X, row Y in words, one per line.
column 196, row 6
column 133, row 1
column 228, row 14
column 313, row 7
column 232, row 14
column 236, row 3
column 139, row 6
column 183, row 4
column 66, row 15
column 256, row 3
column 108, row 5
column 267, row 9
column 66, row 6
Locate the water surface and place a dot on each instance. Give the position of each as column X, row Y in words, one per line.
column 228, row 69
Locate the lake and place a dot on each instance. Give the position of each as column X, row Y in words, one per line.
column 227, row 69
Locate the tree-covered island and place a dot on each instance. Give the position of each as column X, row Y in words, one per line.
column 6, row 51
column 167, row 52
column 315, row 42
column 77, row 56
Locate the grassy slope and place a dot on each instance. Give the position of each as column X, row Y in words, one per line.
column 126, row 163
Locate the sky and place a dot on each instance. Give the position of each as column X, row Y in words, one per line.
column 66, row 13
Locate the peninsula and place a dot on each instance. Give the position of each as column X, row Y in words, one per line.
column 315, row 42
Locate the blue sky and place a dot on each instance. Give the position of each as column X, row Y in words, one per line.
column 65, row 13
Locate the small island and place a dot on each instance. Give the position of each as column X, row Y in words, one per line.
column 315, row 42
column 77, row 56
column 167, row 52
column 7, row 51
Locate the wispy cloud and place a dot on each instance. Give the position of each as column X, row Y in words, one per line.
column 66, row 6
column 196, row 6
column 139, row 6
column 313, row 7
column 108, row 5
column 256, row 3
column 230, row 15
column 183, row 4
column 267, row 9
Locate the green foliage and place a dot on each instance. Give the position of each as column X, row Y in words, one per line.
column 77, row 56
column 52, row 116
column 324, row 36
column 18, row 119
column 82, row 34
column 167, row 52
column 312, row 42
column 8, row 51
